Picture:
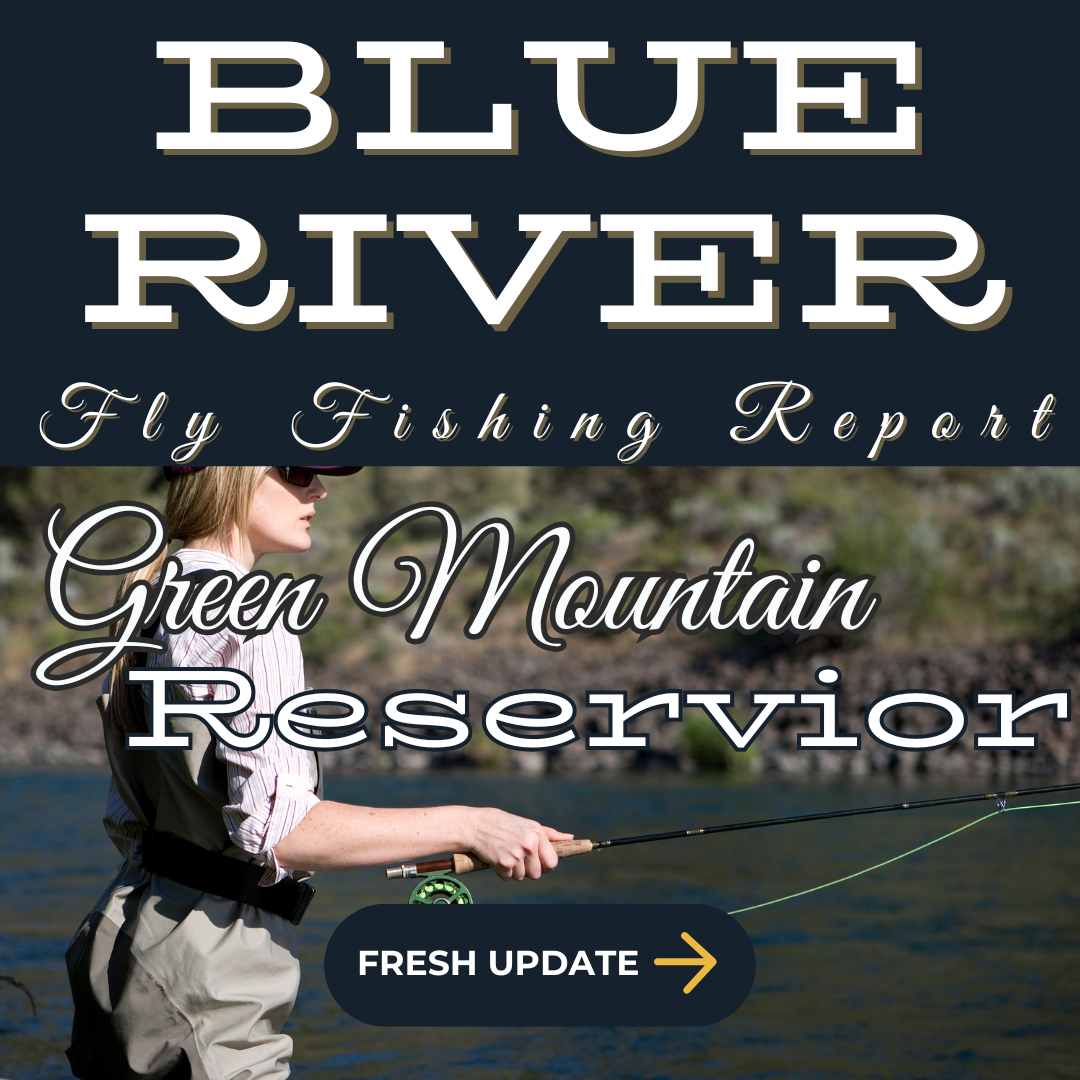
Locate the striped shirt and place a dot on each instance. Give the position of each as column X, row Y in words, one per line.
column 270, row 788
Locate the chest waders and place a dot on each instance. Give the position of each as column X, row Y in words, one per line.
column 173, row 978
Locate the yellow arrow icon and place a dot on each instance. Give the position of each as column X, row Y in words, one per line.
column 704, row 959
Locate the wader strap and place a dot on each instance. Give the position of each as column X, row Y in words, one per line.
column 188, row 864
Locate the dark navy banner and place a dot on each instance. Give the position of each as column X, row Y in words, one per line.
column 557, row 235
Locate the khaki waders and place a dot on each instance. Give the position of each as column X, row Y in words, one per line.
column 169, row 982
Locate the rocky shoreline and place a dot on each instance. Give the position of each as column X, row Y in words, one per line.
column 42, row 728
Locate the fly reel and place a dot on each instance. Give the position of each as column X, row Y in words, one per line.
column 440, row 888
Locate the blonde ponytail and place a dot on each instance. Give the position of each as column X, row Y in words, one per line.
column 204, row 505
column 125, row 710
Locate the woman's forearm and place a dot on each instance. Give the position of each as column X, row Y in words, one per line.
column 337, row 836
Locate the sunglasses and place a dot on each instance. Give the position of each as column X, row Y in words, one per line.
column 298, row 475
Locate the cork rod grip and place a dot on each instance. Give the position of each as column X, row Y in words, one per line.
column 466, row 864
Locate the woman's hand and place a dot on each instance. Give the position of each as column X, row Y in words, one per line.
column 514, row 847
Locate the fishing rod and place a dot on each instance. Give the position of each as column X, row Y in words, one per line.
column 439, row 886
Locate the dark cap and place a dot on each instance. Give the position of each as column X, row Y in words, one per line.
column 173, row 471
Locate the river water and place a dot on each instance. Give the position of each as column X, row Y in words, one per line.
column 962, row 961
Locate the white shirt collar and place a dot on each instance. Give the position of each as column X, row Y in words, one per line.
column 201, row 559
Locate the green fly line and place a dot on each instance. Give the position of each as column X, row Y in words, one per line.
column 439, row 886
column 897, row 858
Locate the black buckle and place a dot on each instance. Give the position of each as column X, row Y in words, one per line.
column 306, row 893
